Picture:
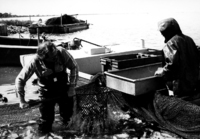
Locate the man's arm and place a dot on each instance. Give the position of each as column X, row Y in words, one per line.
column 72, row 65
column 20, row 81
column 172, row 62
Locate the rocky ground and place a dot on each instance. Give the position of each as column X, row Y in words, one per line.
column 133, row 128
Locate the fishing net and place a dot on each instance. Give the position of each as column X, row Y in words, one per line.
column 96, row 108
column 100, row 110
column 175, row 114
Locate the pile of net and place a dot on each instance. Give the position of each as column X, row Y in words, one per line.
column 99, row 110
column 177, row 115
column 96, row 108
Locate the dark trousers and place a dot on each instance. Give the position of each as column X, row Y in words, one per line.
column 47, row 111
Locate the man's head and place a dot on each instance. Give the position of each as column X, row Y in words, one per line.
column 169, row 27
column 47, row 51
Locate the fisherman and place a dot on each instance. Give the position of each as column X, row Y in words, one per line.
column 50, row 64
column 181, row 60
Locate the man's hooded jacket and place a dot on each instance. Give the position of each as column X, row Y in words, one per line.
column 181, row 60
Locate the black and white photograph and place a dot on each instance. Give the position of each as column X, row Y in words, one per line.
column 99, row 69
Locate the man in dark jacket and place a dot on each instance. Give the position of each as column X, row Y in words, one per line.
column 180, row 62
column 50, row 64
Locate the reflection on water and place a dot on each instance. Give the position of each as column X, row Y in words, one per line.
column 8, row 74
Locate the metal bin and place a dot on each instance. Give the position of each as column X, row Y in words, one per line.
column 136, row 80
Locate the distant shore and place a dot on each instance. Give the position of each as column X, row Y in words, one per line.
column 7, row 15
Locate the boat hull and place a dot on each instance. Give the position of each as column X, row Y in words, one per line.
column 69, row 28
column 11, row 48
column 9, row 55
column 18, row 41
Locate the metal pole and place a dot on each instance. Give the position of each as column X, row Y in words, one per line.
column 89, row 42
column 61, row 20
column 143, row 43
column 38, row 34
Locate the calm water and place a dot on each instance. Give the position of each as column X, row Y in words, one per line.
column 129, row 29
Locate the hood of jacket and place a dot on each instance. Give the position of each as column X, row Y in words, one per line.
column 169, row 27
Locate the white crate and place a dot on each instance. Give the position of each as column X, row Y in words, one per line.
column 93, row 50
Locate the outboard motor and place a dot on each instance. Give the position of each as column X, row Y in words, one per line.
column 75, row 44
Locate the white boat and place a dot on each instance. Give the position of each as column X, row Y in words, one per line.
column 89, row 61
column 88, row 57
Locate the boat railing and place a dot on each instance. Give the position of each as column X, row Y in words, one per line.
column 75, row 24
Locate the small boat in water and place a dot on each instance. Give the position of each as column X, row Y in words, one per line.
column 58, row 29
column 58, row 25
column 11, row 48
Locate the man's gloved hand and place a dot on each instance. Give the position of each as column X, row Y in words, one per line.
column 23, row 104
column 159, row 72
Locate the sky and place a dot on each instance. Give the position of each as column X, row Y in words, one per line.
column 57, row 7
